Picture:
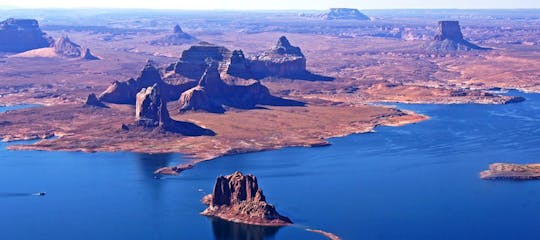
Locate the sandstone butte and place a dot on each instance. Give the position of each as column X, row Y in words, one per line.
column 450, row 38
column 238, row 198
column 508, row 171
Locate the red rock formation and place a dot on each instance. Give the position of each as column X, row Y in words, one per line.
column 238, row 66
column 194, row 60
column 512, row 172
column 124, row 92
column 212, row 93
column 65, row 47
column 89, row 56
column 283, row 60
column 19, row 35
column 93, row 101
column 151, row 112
column 450, row 38
column 150, row 109
column 178, row 37
column 238, row 198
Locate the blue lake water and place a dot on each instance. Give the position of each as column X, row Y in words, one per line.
column 413, row 182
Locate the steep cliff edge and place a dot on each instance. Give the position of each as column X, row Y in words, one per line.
column 238, row 198
column 20, row 35
column 449, row 38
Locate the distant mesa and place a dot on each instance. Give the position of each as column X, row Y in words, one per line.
column 151, row 112
column 238, row 198
column 344, row 14
column 125, row 92
column 20, row 35
column 211, row 94
column 93, row 101
column 177, row 37
column 450, row 38
column 507, row 171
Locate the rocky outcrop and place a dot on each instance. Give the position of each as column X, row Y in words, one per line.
column 450, row 38
column 125, row 92
column 238, row 198
column 194, row 60
column 344, row 14
column 238, row 66
column 20, row 35
column 211, row 94
column 65, row 47
column 178, row 37
column 89, row 56
column 283, row 60
column 506, row 171
column 150, row 109
column 93, row 101
column 151, row 112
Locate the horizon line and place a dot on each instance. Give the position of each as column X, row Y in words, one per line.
column 239, row 9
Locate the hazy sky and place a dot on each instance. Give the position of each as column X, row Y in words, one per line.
column 272, row 4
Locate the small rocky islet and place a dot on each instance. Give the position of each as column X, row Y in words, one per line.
column 510, row 171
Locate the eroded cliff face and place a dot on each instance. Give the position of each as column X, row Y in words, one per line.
column 238, row 198
column 125, row 92
column 449, row 38
column 20, row 35
column 211, row 94
column 238, row 66
column 93, row 101
column 67, row 48
column 194, row 61
column 283, row 60
column 150, row 109
column 151, row 112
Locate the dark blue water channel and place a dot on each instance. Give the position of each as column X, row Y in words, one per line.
column 413, row 182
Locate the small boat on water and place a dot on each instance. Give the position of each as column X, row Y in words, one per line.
column 39, row 194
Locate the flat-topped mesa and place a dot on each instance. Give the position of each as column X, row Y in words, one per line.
column 344, row 14
column 238, row 198
column 125, row 92
column 67, row 48
column 507, row 171
column 194, row 60
column 178, row 37
column 20, row 35
column 450, row 38
column 151, row 112
column 449, row 30
column 238, row 66
column 283, row 60
column 211, row 94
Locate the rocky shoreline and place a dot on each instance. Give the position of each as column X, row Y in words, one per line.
column 508, row 171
